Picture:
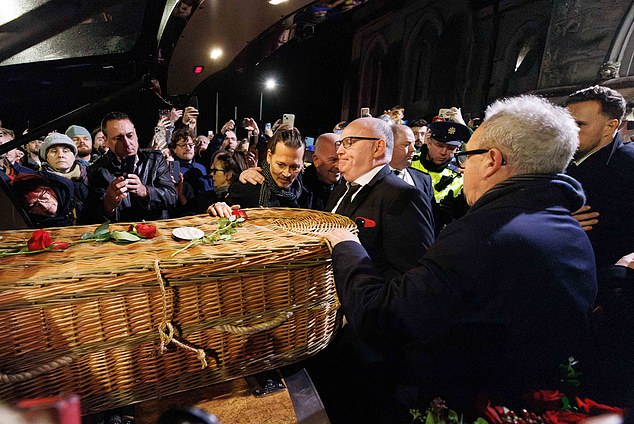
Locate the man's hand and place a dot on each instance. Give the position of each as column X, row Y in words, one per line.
column 175, row 115
column 252, row 126
column 115, row 193
column 339, row 235
column 455, row 115
column 179, row 189
column 627, row 260
column 189, row 114
column 586, row 219
column 228, row 126
column 221, row 209
column 135, row 186
column 252, row 176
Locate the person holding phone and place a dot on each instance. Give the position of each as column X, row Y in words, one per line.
column 126, row 183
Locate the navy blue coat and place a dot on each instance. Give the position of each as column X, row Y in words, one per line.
column 501, row 298
column 607, row 177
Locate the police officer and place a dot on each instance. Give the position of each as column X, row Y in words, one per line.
column 443, row 140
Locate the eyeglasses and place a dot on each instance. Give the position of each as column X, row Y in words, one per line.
column 461, row 157
column 214, row 170
column 346, row 142
column 44, row 197
column 185, row 145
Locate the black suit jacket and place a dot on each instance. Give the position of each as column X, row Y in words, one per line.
column 395, row 221
column 422, row 181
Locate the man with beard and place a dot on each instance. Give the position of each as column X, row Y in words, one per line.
column 282, row 185
column 83, row 140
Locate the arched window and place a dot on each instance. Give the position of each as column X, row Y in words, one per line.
column 370, row 83
column 522, row 59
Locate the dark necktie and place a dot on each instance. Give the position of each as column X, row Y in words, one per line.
column 345, row 204
column 397, row 172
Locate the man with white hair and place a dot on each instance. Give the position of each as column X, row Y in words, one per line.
column 505, row 293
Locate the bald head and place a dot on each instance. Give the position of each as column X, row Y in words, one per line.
column 404, row 148
column 325, row 158
column 370, row 143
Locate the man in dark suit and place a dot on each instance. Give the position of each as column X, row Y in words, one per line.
column 402, row 156
column 395, row 225
column 604, row 165
column 395, row 222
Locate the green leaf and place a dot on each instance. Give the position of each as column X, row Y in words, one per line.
column 103, row 228
column 124, row 236
column 223, row 222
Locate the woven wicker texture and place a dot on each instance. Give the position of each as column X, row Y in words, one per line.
column 119, row 324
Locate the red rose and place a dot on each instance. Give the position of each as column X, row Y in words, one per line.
column 60, row 245
column 563, row 417
column 239, row 213
column 39, row 240
column 147, row 231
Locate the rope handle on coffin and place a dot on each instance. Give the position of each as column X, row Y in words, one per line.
column 252, row 329
column 42, row 369
column 166, row 329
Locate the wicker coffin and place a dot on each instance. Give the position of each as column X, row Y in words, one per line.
column 119, row 324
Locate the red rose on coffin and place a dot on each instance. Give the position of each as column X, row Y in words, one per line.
column 239, row 213
column 147, row 231
column 39, row 240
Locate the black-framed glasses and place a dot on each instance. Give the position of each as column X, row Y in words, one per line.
column 214, row 170
column 346, row 142
column 461, row 157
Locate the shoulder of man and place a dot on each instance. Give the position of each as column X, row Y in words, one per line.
column 246, row 195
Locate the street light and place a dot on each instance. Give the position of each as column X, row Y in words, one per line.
column 270, row 84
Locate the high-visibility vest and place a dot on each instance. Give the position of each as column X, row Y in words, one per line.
column 448, row 180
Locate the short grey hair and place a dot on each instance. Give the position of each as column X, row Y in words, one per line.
column 534, row 135
column 384, row 130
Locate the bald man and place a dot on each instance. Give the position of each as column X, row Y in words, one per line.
column 324, row 175
column 395, row 222
column 402, row 156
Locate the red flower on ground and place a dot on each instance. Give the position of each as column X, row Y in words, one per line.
column 239, row 213
column 39, row 240
column 147, row 231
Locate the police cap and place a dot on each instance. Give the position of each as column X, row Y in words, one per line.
column 450, row 133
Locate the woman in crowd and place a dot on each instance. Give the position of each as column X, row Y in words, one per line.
column 224, row 171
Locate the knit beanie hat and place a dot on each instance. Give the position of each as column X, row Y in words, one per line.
column 55, row 139
column 75, row 130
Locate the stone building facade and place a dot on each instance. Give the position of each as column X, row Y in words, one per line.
column 428, row 55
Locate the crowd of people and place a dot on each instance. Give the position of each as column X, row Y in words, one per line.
column 479, row 259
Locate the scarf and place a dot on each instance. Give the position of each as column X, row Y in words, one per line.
column 75, row 173
column 269, row 187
